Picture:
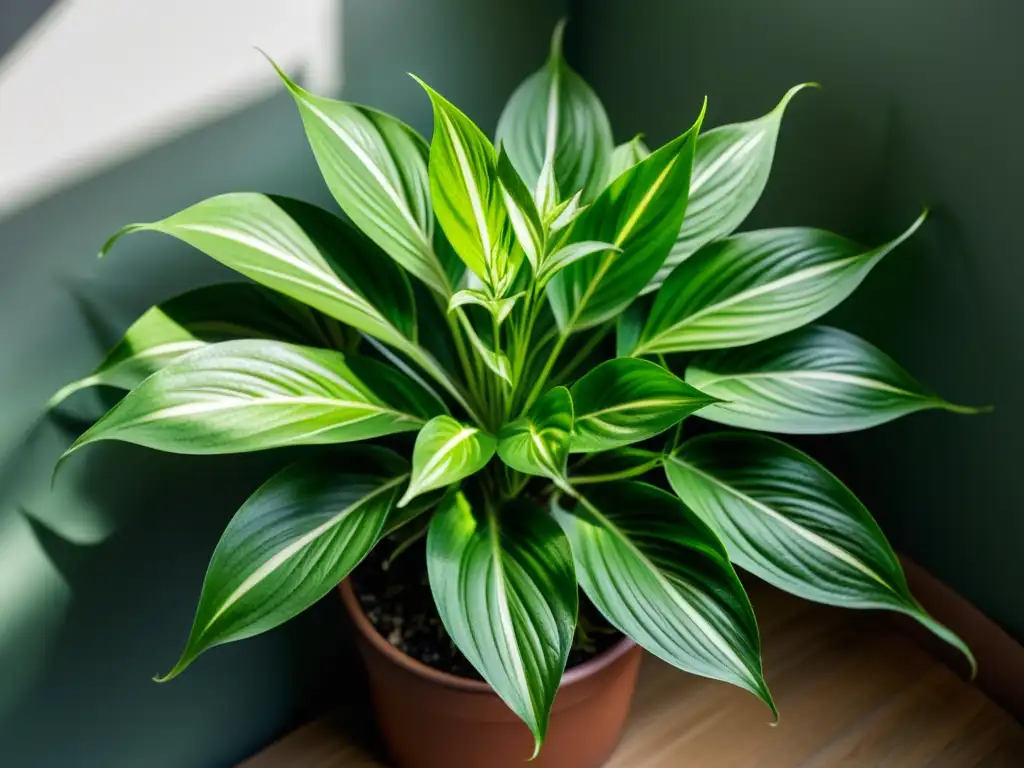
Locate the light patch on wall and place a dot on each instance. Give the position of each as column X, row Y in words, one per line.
column 33, row 600
column 98, row 81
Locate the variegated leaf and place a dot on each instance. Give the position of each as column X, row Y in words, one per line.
column 446, row 452
column 538, row 443
column 756, row 285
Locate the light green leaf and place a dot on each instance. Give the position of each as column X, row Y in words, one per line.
column 730, row 171
column 788, row 520
column 538, row 443
column 565, row 213
column 660, row 576
column 251, row 395
column 204, row 316
column 467, row 196
column 376, row 168
column 290, row 544
column 640, row 212
column 628, row 154
column 522, row 211
column 618, row 464
column 756, row 285
column 570, row 254
column 554, row 117
column 506, row 592
column 303, row 252
column 626, row 400
column 498, row 308
column 815, row 380
column 446, row 452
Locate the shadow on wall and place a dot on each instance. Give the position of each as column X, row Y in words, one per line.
column 101, row 575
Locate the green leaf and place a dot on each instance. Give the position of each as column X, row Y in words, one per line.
column 446, row 452
column 626, row 155
column 660, row 576
column 538, row 443
column 626, row 400
column 204, row 316
column 565, row 213
column 640, row 212
column 628, row 326
column 730, row 171
column 815, row 380
column 788, row 520
column 251, row 395
column 506, row 591
column 303, row 252
column 467, row 196
column 570, row 254
column 376, row 168
column 522, row 211
column 554, row 117
column 756, row 285
column 618, row 464
column 290, row 544
column 498, row 308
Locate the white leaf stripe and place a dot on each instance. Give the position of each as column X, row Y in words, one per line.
column 472, row 191
column 809, row 536
column 645, row 202
column 735, row 152
column 835, row 377
column 282, row 556
column 659, row 402
column 673, row 590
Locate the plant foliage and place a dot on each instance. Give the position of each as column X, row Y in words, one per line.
column 536, row 441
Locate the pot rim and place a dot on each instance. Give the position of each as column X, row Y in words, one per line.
column 448, row 680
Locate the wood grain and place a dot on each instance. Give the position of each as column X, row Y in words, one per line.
column 851, row 688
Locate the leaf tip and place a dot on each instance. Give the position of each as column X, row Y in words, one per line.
column 290, row 84
column 125, row 230
column 557, row 36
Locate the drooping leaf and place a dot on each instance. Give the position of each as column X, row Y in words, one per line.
column 640, row 213
column 570, row 254
column 756, row 285
column 466, row 194
column 506, row 591
column 815, row 380
column 730, row 171
column 617, row 464
column 554, row 117
column 660, row 576
column 538, row 443
column 290, row 544
column 376, row 168
column 446, row 452
column 626, row 400
column 250, row 395
column 788, row 520
column 205, row 316
column 522, row 211
column 628, row 154
column 303, row 252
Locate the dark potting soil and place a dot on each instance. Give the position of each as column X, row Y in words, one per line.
column 397, row 600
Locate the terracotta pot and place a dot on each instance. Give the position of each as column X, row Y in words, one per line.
column 431, row 719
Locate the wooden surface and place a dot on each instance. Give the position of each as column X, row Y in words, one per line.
column 852, row 690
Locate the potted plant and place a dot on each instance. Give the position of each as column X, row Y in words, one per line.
column 501, row 326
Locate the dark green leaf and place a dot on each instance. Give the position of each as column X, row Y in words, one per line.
column 290, row 544
column 251, row 395
column 626, row 400
column 538, row 443
column 506, row 591
column 640, row 212
column 788, row 520
column 815, row 380
column 617, row 464
column 730, row 171
column 659, row 575
column 446, row 452
column 756, row 285
column 206, row 316
column 554, row 117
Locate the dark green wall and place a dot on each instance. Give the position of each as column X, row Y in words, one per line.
column 922, row 104
column 114, row 556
